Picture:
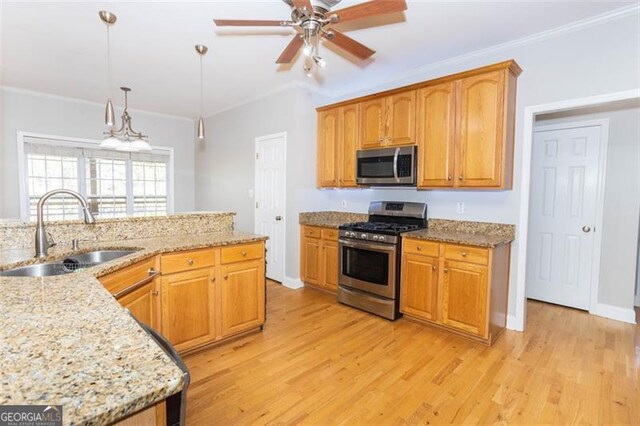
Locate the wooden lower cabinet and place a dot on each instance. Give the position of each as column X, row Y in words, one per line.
column 155, row 415
column 319, row 257
column 188, row 308
column 242, row 297
column 144, row 304
column 464, row 289
column 419, row 286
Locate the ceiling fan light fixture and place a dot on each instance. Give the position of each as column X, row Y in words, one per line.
column 319, row 61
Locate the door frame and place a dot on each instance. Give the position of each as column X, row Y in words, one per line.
column 283, row 137
column 603, row 123
column 517, row 321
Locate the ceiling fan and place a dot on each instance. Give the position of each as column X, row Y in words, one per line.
column 312, row 19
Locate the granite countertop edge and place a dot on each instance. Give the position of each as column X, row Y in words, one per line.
column 464, row 238
column 18, row 299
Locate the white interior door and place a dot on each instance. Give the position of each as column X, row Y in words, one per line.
column 270, row 192
column 564, row 196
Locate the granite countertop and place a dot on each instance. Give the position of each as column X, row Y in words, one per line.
column 458, row 237
column 331, row 219
column 66, row 340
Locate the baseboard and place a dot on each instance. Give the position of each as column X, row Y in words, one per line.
column 292, row 283
column 512, row 323
column 614, row 313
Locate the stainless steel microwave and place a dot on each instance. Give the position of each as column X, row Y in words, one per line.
column 387, row 166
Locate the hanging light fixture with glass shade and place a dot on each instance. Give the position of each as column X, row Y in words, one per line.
column 201, row 50
column 124, row 138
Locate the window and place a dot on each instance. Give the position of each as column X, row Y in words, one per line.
column 116, row 184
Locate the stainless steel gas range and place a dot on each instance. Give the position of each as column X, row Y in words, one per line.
column 370, row 256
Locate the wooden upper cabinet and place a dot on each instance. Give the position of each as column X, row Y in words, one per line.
column 349, row 144
column 328, row 146
column 436, row 135
column 372, row 123
column 464, row 297
column 481, row 131
column 401, row 119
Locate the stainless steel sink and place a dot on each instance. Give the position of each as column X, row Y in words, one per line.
column 67, row 265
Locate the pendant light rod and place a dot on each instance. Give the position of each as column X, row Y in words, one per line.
column 109, row 19
column 201, row 50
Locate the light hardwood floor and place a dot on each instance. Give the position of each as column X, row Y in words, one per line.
column 318, row 362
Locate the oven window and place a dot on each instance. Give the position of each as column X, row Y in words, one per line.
column 375, row 167
column 366, row 265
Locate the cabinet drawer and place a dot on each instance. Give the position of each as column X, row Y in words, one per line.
column 123, row 278
column 479, row 256
column 311, row 231
column 330, row 234
column 186, row 261
column 242, row 252
column 426, row 248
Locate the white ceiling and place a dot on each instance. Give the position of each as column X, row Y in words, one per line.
column 59, row 48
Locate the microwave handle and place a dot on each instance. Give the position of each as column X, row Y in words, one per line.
column 395, row 165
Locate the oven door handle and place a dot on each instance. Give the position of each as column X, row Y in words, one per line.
column 395, row 165
column 363, row 244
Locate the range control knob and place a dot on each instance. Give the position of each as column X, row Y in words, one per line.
column 363, row 236
column 381, row 238
column 375, row 238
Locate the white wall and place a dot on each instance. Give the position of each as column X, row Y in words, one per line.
column 589, row 61
column 39, row 113
column 225, row 161
column 621, row 198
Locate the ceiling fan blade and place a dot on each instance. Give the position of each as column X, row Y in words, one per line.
column 301, row 4
column 290, row 51
column 350, row 45
column 370, row 8
column 250, row 23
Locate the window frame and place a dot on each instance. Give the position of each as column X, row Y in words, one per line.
column 72, row 142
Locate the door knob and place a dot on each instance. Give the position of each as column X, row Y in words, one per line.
column 278, row 217
column 586, row 229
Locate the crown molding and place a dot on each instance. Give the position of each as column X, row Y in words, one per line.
column 615, row 14
column 21, row 91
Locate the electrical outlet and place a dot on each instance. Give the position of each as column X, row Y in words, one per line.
column 343, row 204
column 460, row 207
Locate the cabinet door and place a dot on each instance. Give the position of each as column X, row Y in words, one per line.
column 242, row 296
column 435, row 125
column 481, row 133
column 372, row 123
column 144, row 304
column 401, row 119
column 349, row 144
column 464, row 297
column 328, row 145
column 188, row 307
column 310, row 256
column 330, row 264
column 418, row 289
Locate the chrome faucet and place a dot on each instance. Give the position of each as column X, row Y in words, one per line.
column 42, row 242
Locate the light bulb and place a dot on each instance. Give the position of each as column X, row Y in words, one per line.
column 110, row 142
column 319, row 61
column 308, row 49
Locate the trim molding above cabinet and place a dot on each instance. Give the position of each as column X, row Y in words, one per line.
column 463, row 125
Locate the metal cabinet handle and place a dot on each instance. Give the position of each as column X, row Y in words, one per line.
column 461, row 177
column 446, row 270
column 464, row 254
column 213, row 279
column 226, row 277
column 433, row 267
column 419, row 248
column 154, row 293
column 449, row 177
column 586, row 229
column 244, row 253
column 190, row 261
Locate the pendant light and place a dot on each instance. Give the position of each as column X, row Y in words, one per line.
column 201, row 50
column 109, row 19
column 127, row 138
